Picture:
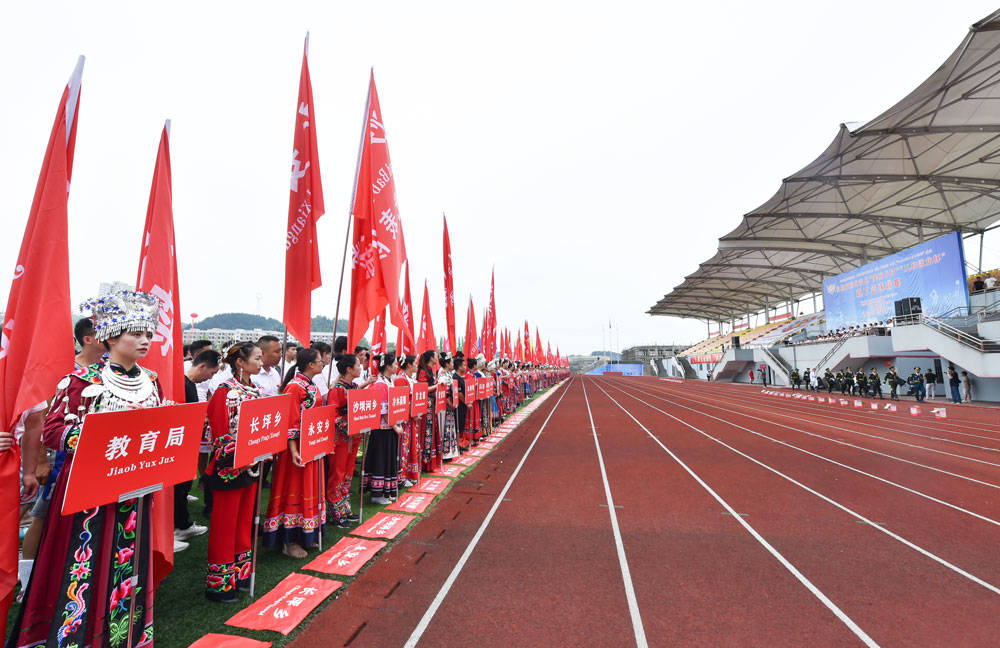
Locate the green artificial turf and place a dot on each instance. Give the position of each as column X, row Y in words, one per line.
column 182, row 614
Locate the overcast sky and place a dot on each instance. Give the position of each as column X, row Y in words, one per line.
column 594, row 153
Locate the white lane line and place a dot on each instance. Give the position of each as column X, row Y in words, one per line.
column 633, row 604
column 692, row 399
column 846, row 620
column 941, row 561
column 819, row 456
column 774, row 409
column 934, row 424
column 443, row 592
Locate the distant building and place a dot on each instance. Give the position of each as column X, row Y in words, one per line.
column 218, row 336
column 650, row 352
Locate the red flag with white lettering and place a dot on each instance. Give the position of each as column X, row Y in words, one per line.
column 469, row 348
column 451, row 342
column 35, row 349
column 427, row 340
column 491, row 343
column 378, row 251
column 158, row 276
column 378, row 341
column 405, row 344
column 305, row 206
column 519, row 350
column 539, row 354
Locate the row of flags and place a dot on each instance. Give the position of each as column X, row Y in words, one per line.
column 34, row 342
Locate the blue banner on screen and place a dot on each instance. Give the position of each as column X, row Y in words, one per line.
column 625, row 369
column 934, row 271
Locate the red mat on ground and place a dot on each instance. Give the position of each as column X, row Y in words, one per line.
column 346, row 557
column 384, row 525
column 465, row 460
column 477, row 452
column 412, row 503
column 214, row 640
column 434, row 485
column 283, row 608
column 449, row 470
column 489, row 445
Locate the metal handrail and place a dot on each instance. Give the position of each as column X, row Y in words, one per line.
column 960, row 336
column 829, row 354
column 780, row 363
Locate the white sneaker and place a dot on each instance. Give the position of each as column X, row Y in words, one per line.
column 190, row 532
column 381, row 501
column 407, row 483
column 192, row 498
column 180, row 545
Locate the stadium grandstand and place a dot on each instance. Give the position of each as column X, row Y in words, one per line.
column 816, row 277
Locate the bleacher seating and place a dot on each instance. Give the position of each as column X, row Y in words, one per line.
column 718, row 343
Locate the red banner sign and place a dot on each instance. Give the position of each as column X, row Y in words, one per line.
column 399, row 404
column 418, row 407
column 263, row 429
column 119, row 453
column 347, row 557
column 215, row 640
column 364, row 407
column 412, row 503
column 470, row 390
column 384, row 525
column 465, row 460
column 442, row 396
column 433, row 485
column 316, row 432
column 287, row 605
column 490, row 387
column 449, row 470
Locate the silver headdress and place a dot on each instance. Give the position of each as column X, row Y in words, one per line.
column 126, row 310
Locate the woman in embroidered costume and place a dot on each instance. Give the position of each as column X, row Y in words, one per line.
column 294, row 515
column 428, row 430
column 382, row 455
column 447, row 421
column 409, row 441
column 345, row 449
column 81, row 588
column 234, row 490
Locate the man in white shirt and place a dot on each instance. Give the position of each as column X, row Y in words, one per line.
column 365, row 379
column 990, row 282
column 320, row 379
column 269, row 378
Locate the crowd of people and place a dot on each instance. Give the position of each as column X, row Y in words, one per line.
column 79, row 572
column 920, row 385
column 984, row 281
column 871, row 328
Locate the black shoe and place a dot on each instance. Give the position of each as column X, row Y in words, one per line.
column 344, row 524
column 222, row 597
column 243, row 585
column 353, row 517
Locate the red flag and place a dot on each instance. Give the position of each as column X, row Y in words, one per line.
column 519, row 350
column 35, row 342
column 451, row 342
column 379, row 250
column 470, row 332
column 527, row 343
column 158, row 275
column 482, row 345
column 405, row 343
column 427, row 340
column 378, row 341
column 539, row 354
column 305, row 207
column 491, row 342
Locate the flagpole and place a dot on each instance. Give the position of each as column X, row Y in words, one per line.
column 347, row 234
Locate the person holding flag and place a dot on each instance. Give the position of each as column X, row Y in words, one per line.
column 295, row 515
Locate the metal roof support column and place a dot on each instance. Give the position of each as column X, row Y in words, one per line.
column 981, row 235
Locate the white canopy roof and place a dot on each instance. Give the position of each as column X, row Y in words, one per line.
column 927, row 166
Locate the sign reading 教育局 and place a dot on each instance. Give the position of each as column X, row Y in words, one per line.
column 934, row 271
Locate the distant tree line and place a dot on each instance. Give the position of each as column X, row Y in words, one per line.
column 250, row 321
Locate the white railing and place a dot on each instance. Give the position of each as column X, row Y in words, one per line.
column 822, row 365
column 960, row 336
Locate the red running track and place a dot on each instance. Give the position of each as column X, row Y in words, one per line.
column 737, row 519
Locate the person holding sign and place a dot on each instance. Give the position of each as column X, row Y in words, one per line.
column 234, row 490
column 382, row 456
column 428, row 431
column 447, row 421
column 345, row 450
column 294, row 515
column 409, row 443
column 88, row 565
